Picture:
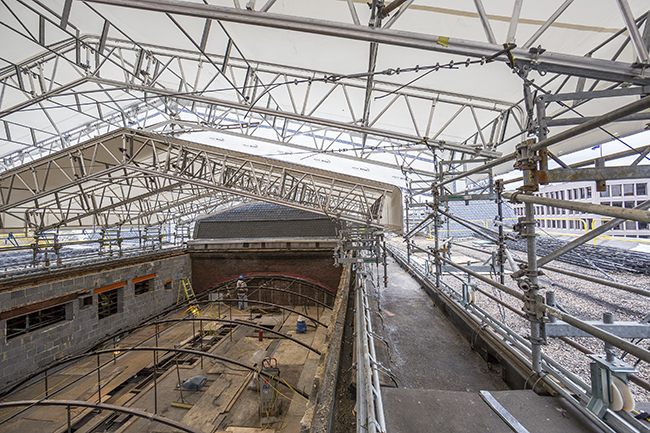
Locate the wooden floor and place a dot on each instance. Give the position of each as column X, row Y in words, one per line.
column 228, row 402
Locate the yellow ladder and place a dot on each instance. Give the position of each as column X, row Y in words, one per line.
column 185, row 287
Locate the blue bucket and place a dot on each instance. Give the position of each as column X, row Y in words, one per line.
column 300, row 325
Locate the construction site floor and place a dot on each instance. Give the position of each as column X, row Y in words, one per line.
column 440, row 377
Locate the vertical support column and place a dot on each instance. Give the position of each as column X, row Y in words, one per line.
column 501, row 245
column 527, row 276
column 436, row 230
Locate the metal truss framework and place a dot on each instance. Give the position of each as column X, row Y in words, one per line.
column 120, row 83
column 130, row 176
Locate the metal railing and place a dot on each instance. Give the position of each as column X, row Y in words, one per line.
column 553, row 374
column 370, row 409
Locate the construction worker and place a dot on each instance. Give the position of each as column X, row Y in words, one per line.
column 242, row 293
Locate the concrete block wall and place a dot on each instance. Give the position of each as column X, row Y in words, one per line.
column 26, row 353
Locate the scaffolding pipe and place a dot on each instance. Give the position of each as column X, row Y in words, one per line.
column 597, row 122
column 590, row 329
column 587, row 237
column 616, row 212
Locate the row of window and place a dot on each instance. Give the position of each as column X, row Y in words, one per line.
column 628, row 189
column 107, row 305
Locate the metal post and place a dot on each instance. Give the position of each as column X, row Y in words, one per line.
column 385, row 266
column 70, row 420
column 436, row 224
column 501, row 244
column 178, row 374
column 99, row 382
column 155, row 375
column 550, row 301
column 408, row 243
column 201, row 325
column 610, row 350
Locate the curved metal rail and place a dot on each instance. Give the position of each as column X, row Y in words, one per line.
column 235, row 322
column 111, row 407
column 272, row 305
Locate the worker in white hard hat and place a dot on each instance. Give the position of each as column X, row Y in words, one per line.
column 242, row 293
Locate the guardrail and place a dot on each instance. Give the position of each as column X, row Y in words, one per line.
column 589, row 400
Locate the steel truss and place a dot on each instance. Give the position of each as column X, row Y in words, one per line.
column 120, row 83
column 130, row 176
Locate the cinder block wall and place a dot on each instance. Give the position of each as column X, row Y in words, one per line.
column 82, row 328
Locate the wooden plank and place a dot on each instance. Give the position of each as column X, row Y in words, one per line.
column 214, row 402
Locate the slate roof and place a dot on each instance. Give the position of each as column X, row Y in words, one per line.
column 264, row 212
column 265, row 221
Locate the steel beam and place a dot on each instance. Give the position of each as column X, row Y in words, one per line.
column 548, row 62
column 595, row 174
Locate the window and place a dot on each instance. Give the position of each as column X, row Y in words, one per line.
column 85, row 302
column 641, row 188
column 38, row 319
column 142, row 287
column 569, row 194
column 628, row 189
column 571, row 225
column 168, row 284
column 616, row 190
column 643, row 226
column 582, row 193
column 107, row 303
column 143, row 284
column 629, row 204
column 617, row 204
column 562, row 195
column 588, row 189
column 606, row 192
column 563, row 224
column 630, row 225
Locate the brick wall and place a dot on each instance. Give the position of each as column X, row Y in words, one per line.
column 26, row 353
column 212, row 268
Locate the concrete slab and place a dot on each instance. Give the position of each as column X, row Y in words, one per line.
column 542, row 414
column 427, row 351
column 422, row 410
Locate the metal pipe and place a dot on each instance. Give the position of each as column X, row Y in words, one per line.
column 587, row 237
column 551, row 62
column 616, row 212
column 462, row 221
column 599, row 333
column 596, row 332
column 471, row 226
column 633, row 30
column 597, row 122
column 614, row 284
column 501, row 287
column 391, row 7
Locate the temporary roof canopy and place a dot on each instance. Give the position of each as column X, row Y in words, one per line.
column 379, row 88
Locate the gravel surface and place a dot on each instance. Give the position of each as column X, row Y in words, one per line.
column 582, row 299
